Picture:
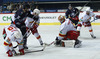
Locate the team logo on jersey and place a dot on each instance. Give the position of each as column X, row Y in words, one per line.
column 61, row 31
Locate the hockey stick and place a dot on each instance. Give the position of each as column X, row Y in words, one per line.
column 27, row 32
column 93, row 20
column 81, row 9
column 27, row 37
column 49, row 44
column 37, row 50
column 90, row 22
column 17, row 54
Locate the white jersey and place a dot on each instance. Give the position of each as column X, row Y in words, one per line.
column 85, row 17
column 10, row 29
column 29, row 21
column 65, row 27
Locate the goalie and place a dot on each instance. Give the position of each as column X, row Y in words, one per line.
column 67, row 32
column 11, row 33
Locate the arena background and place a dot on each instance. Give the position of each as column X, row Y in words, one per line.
column 49, row 29
column 50, row 9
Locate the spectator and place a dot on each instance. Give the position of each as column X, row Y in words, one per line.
column 32, row 5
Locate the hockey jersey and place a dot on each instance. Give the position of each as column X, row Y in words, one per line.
column 72, row 13
column 9, row 31
column 65, row 27
column 85, row 17
column 29, row 22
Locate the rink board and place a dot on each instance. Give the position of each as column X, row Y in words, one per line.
column 45, row 18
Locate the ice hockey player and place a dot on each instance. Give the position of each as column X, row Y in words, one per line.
column 67, row 32
column 19, row 21
column 12, row 34
column 72, row 13
column 85, row 20
column 33, row 24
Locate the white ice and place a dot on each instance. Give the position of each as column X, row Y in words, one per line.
column 90, row 47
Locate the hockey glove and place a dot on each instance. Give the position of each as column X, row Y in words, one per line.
column 9, row 53
column 21, row 51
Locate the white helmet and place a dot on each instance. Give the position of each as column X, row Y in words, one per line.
column 17, row 34
column 36, row 11
column 88, row 9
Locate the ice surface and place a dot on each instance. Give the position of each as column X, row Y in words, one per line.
column 90, row 47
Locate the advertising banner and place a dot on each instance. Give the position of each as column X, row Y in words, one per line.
column 45, row 18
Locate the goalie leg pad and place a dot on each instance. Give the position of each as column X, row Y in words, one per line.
column 68, row 43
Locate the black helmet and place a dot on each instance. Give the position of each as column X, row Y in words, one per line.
column 26, row 6
column 70, row 6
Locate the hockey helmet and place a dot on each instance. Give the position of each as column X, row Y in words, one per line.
column 88, row 11
column 61, row 18
column 36, row 11
column 70, row 6
column 17, row 34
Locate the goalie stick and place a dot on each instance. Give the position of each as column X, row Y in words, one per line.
column 26, row 33
column 49, row 44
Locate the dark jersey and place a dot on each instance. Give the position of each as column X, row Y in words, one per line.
column 20, row 17
column 72, row 13
column 20, row 14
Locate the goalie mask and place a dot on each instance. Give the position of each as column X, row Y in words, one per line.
column 61, row 18
column 36, row 12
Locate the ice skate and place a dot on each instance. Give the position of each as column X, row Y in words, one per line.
column 93, row 36
column 77, row 44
